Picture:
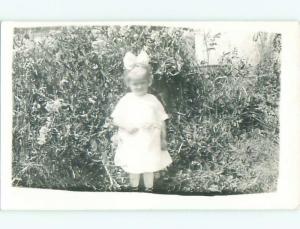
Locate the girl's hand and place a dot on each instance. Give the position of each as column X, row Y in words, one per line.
column 132, row 130
column 129, row 129
column 164, row 145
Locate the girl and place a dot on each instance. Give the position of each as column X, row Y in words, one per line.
column 140, row 117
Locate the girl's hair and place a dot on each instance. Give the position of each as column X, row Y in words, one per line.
column 148, row 69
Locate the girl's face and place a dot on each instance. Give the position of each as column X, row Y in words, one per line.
column 138, row 82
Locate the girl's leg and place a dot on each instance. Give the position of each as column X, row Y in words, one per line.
column 134, row 179
column 148, row 180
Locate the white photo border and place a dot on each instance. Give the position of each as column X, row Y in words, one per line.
column 288, row 192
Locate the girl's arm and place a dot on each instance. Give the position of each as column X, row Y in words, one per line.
column 123, row 127
column 163, row 136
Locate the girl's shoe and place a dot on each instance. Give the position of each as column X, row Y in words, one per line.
column 134, row 189
column 148, row 189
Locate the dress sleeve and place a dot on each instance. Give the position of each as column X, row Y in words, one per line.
column 161, row 110
column 118, row 111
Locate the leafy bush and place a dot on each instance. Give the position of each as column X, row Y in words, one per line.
column 223, row 130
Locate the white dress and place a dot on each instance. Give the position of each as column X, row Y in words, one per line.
column 140, row 152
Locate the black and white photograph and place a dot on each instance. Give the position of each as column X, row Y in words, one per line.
column 143, row 108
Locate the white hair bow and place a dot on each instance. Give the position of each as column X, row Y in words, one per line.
column 130, row 60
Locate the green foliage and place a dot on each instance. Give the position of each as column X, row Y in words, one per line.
column 223, row 131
